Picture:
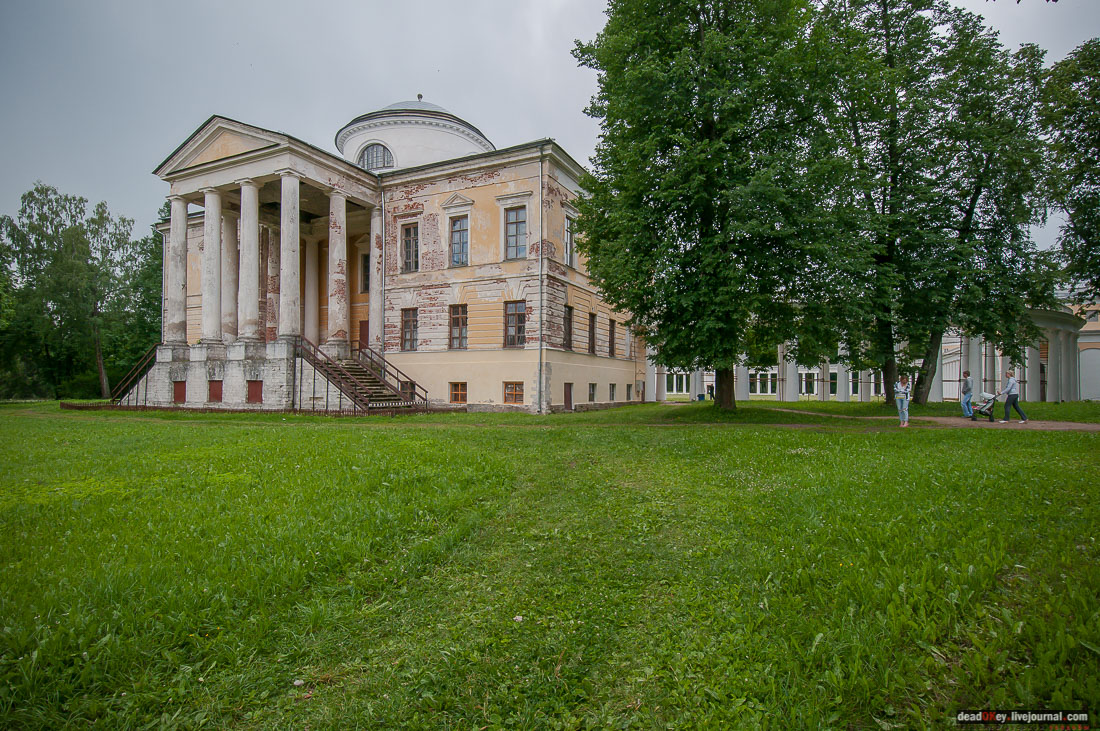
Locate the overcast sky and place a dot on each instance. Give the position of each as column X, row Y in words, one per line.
column 97, row 94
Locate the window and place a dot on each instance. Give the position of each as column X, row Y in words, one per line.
column 179, row 392
column 460, row 241
column 515, row 328
column 752, row 383
column 408, row 329
column 410, row 247
column 1092, row 316
column 832, row 383
column 513, row 392
column 611, row 339
column 515, row 233
column 215, row 392
column 458, row 327
column 629, row 392
column 376, row 157
column 458, row 393
column 592, row 333
column 407, row 389
column 611, row 392
column 567, row 334
column 570, row 249
column 255, row 392
column 808, row 382
column 855, row 383
column 364, row 273
column 592, row 393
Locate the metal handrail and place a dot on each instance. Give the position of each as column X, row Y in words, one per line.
column 384, row 371
column 136, row 374
column 335, row 372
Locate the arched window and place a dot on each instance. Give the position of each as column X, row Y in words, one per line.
column 376, row 157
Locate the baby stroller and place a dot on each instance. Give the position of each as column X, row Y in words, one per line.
column 985, row 408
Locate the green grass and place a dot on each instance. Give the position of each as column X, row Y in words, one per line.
column 1079, row 411
column 671, row 569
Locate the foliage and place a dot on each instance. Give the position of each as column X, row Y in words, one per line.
column 1071, row 111
column 186, row 570
column 82, row 297
column 711, row 215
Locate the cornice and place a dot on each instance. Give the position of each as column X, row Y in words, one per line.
column 411, row 121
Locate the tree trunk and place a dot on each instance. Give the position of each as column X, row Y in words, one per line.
column 927, row 371
column 724, row 395
column 104, row 385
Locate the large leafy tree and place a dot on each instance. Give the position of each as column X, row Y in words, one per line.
column 67, row 265
column 716, row 213
column 1071, row 113
column 941, row 126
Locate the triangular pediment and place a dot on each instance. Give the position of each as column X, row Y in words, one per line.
column 219, row 138
column 457, row 201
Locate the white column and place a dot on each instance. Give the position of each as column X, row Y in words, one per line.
column 974, row 365
column 273, row 266
column 661, row 392
column 230, row 276
column 337, row 269
column 376, row 298
column 741, row 383
column 1074, row 357
column 823, row 372
column 788, row 372
column 1032, row 377
column 843, row 383
column 1054, row 366
column 248, row 303
column 212, row 267
column 175, row 285
column 1067, row 365
column 311, row 315
column 290, row 306
column 935, row 391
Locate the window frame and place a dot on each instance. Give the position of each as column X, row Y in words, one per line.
column 458, row 388
column 592, row 393
column 610, row 338
column 513, row 390
column 414, row 241
column 593, row 324
column 459, row 311
column 570, row 243
column 519, row 340
column 567, row 329
column 452, row 220
column 520, row 234
column 364, row 271
column 611, row 392
column 409, row 336
column 388, row 160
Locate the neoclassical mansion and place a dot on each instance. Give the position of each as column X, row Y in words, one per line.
column 421, row 264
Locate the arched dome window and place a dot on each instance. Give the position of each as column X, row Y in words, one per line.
column 376, row 157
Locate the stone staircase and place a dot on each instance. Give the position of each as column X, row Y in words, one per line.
column 380, row 393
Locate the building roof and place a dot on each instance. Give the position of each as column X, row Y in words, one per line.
column 417, row 108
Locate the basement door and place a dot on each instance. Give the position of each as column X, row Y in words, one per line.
column 364, row 334
column 569, row 397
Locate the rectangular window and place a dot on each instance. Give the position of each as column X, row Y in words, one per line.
column 458, row 393
column 364, row 273
column 567, row 334
column 611, row 339
column 611, row 392
column 458, row 327
column 179, row 392
column 592, row 333
column 855, row 383
column 460, row 241
column 215, row 394
column 255, row 392
column 407, row 389
column 592, row 393
column 752, row 383
column 832, row 383
column 515, row 233
column 515, row 324
column 410, row 247
column 775, row 382
column 408, row 329
column 670, row 383
column 629, row 392
column 513, row 392
column 570, row 249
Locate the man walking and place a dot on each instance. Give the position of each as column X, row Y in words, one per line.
column 1012, row 397
column 967, row 395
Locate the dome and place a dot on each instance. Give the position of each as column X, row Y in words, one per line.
column 406, row 134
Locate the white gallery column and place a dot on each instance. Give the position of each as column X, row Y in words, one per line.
column 935, row 391
column 1054, row 366
column 311, row 309
column 337, row 270
column 824, row 372
column 212, row 268
column 273, row 266
column 974, row 365
column 248, row 304
column 175, row 288
column 1068, row 357
column 741, row 383
column 843, row 382
column 1031, row 376
column 230, row 276
column 375, row 315
column 290, row 306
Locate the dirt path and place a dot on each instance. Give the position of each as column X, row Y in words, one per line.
column 958, row 421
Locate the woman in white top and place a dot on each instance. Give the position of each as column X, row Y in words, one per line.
column 1012, row 397
column 901, row 396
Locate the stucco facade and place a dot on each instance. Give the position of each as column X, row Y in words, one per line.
column 451, row 261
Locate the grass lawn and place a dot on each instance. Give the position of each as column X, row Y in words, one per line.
column 651, row 566
column 1080, row 411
